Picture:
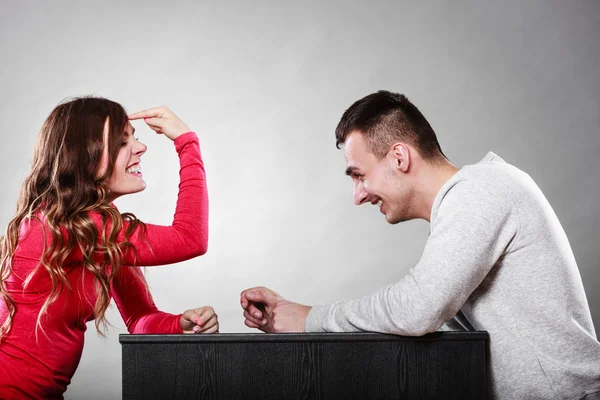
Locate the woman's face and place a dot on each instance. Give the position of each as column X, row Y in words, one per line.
column 126, row 177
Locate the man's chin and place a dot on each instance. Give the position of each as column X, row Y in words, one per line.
column 392, row 221
column 396, row 219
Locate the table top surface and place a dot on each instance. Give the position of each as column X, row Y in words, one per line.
column 300, row 337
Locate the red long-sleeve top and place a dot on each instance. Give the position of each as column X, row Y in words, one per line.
column 43, row 368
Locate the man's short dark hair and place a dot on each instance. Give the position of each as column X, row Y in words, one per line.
column 385, row 118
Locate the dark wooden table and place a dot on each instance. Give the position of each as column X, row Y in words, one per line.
column 441, row 365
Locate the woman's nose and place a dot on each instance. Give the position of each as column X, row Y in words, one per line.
column 139, row 148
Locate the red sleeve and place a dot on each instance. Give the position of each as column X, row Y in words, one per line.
column 134, row 301
column 187, row 237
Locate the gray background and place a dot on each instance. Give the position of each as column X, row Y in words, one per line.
column 264, row 85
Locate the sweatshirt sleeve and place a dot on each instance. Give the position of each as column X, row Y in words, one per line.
column 475, row 225
column 134, row 301
column 187, row 236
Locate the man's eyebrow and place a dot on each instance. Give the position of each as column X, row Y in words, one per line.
column 350, row 170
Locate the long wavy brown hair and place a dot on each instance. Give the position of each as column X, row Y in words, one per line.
column 63, row 187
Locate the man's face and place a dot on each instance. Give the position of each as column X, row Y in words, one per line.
column 378, row 182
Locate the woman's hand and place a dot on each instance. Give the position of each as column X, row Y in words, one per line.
column 200, row 320
column 162, row 120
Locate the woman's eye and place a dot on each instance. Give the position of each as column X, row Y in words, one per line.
column 123, row 144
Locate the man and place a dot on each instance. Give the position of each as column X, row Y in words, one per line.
column 497, row 259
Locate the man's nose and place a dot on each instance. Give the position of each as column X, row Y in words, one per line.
column 360, row 194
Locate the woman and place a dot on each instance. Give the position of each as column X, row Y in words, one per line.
column 68, row 250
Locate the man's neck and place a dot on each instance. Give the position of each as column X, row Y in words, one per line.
column 428, row 184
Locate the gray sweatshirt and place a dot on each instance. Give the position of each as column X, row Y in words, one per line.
column 497, row 252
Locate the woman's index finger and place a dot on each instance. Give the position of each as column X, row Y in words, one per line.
column 149, row 113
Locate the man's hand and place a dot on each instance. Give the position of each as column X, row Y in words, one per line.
column 268, row 311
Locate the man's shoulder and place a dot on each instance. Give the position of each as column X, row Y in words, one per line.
column 491, row 180
column 494, row 171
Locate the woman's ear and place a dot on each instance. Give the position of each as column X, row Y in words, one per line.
column 401, row 156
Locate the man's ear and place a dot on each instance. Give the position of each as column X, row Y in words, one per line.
column 401, row 156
